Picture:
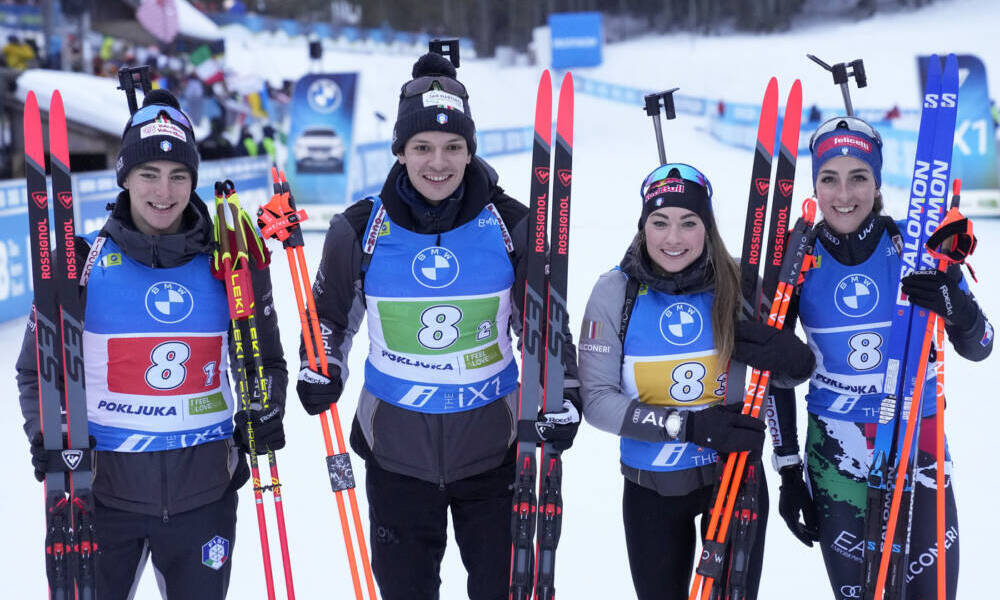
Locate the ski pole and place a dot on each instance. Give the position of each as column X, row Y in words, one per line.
column 951, row 244
column 279, row 219
column 261, row 389
column 237, row 277
column 713, row 551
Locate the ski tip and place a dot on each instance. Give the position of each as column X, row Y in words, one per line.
column 58, row 141
column 564, row 119
column 543, row 109
column 33, row 149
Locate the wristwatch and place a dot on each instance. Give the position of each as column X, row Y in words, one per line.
column 780, row 462
column 673, row 424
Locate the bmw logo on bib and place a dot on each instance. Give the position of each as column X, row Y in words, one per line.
column 435, row 267
column 681, row 324
column 168, row 302
column 856, row 295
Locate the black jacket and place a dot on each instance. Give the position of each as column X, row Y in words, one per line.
column 171, row 481
column 435, row 448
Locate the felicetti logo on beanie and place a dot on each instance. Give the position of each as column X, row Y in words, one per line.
column 434, row 100
column 847, row 136
column 158, row 131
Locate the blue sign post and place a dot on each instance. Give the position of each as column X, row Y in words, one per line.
column 577, row 39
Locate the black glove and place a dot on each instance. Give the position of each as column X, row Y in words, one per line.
column 58, row 460
column 317, row 391
column 794, row 500
column 771, row 349
column 268, row 432
column 939, row 292
column 723, row 429
column 559, row 428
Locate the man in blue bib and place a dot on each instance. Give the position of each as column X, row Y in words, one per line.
column 166, row 456
column 436, row 262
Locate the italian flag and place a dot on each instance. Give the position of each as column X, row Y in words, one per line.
column 206, row 66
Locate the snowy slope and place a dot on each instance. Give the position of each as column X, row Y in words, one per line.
column 614, row 151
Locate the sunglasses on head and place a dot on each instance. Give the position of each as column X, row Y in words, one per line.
column 434, row 82
column 675, row 170
column 845, row 124
column 152, row 112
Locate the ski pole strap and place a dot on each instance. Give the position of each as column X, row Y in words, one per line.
column 954, row 240
column 713, row 559
column 341, row 473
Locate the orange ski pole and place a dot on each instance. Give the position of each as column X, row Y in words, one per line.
column 280, row 220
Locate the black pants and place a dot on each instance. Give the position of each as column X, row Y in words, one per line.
column 838, row 451
column 409, row 531
column 661, row 539
column 191, row 551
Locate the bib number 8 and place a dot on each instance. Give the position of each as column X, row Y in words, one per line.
column 439, row 326
column 864, row 351
column 687, row 386
column 168, row 369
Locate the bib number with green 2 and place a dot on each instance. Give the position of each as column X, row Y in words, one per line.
column 435, row 327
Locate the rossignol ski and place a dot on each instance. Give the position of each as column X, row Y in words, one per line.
column 235, row 266
column 280, row 220
column 907, row 355
column 70, row 546
column 545, row 320
column 717, row 547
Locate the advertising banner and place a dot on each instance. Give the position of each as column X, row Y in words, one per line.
column 320, row 137
column 577, row 39
column 975, row 156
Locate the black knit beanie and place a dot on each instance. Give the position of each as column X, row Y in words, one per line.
column 434, row 108
column 158, row 136
column 674, row 190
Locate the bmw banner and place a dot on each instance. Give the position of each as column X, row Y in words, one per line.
column 319, row 138
column 975, row 157
column 577, row 39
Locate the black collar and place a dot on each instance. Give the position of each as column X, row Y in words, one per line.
column 161, row 251
column 856, row 247
column 699, row 276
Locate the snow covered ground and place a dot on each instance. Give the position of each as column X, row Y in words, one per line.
column 614, row 150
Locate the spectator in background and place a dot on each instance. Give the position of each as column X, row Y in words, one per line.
column 216, row 146
column 814, row 114
column 893, row 113
column 194, row 97
column 18, row 54
column 267, row 143
column 247, row 145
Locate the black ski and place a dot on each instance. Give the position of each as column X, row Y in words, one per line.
column 70, row 546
